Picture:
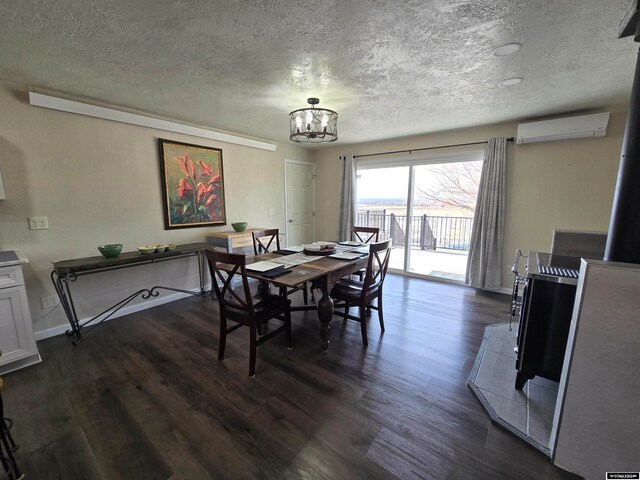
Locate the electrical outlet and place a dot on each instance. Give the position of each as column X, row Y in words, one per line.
column 38, row 223
column 272, row 211
column 50, row 301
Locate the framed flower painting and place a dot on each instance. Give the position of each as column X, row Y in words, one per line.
column 192, row 185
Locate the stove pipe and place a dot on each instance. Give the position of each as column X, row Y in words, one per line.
column 623, row 240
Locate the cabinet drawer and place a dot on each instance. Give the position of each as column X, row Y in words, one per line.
column 11, row 276
column 239, row 242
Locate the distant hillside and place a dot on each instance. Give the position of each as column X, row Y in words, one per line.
column 382, row 200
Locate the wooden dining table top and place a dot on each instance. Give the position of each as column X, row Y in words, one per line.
column 304, row 272
column 322, row 273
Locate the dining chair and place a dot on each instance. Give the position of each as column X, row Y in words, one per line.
column 7, row 445
column 363, row 293
column 364, row 235
column 265, row 241
column 239, row 306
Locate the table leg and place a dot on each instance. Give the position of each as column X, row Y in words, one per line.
column 325, row 313
column 264, row 289
column 61, row 284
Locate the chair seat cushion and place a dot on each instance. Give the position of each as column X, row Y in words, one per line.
column 269, row 303
column 349, row 283
column 351, row 290
column 347, row 289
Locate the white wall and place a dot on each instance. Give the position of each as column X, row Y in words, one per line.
column 99, row 182
column 597, row 420
column 564, row 184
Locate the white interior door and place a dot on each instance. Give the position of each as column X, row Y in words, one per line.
column 299, row 180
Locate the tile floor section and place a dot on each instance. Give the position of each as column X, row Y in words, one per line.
column 528, row 412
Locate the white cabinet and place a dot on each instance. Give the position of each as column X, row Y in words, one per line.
column 17, row 343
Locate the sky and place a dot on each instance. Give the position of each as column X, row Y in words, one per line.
column 392, row 182
column 383, row 183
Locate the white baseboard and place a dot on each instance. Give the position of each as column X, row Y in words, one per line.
column 60, row 329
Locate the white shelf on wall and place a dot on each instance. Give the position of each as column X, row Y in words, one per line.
column 80, row 108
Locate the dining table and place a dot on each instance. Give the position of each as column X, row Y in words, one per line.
column 322, row 271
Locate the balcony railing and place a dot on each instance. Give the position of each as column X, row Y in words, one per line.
column 426, row 232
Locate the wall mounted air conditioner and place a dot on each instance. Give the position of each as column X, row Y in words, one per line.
column 581, row 126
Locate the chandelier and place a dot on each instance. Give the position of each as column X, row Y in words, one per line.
column 313, row 125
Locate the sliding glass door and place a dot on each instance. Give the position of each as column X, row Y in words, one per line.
column 382, row 203
column 444, row 200
column 426, row 207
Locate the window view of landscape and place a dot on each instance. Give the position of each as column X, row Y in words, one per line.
column 440, row 216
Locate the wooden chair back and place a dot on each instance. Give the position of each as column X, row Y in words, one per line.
column 237, row 306
column 379, row 254
column 265, row 241
column 365, row 234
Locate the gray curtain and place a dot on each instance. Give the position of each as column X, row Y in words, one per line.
column 347, row 196
column 484, row 264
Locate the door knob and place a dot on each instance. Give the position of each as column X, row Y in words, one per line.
column 290, row 220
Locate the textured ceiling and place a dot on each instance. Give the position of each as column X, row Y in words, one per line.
column 390, row 68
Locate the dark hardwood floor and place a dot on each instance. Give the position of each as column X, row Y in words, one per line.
column 144, row 397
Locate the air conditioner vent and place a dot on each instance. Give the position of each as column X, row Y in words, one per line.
column 582, row 126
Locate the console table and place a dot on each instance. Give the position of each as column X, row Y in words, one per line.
column 67, row 272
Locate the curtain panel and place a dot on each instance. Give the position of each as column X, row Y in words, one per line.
column 347, row 196
column 484, row 263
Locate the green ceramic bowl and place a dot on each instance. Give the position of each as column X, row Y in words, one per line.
column 239, row 226
column 110, row 251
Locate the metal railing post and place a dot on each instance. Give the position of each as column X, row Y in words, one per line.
column 392, row 227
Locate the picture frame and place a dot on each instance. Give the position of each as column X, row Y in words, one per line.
column 192, row 185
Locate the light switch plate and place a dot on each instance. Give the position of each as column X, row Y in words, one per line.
column 272, row 211
column 50, row 301
column 38, row 223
